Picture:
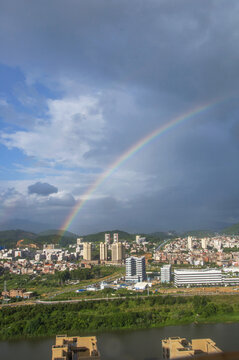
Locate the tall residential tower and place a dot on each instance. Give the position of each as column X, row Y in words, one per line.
column 87, row 250
column 103, row 251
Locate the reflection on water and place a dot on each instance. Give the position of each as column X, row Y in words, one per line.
column 129, row 345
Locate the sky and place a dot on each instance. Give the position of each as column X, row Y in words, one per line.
column 83, row 81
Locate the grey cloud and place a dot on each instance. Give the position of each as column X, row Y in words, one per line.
column 65, row 200
column 152, row 60
column 43, row 189
column 156, row 44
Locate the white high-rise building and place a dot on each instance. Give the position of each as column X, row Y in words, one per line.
column 139, row 239
column 79, row 241
column 135, row 269
column 103, row 251
column 190, row 242
column 117, row 251
column 107, row 239
column 116, row 237
column 218, row 244
column 166, row 274
column 87, row 250
column 204, row 243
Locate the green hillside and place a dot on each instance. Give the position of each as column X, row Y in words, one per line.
column 231, row 230
column 100, row 236
column 160, row 236
column 57, row 232
column 123, row 235
column 9, row 238
column 199, row 233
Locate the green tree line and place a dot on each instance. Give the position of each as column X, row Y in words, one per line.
column 86, row 317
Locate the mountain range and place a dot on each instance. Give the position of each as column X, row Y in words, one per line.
column 10, row 238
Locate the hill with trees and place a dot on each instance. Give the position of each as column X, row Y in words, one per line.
column 10, row 238
column 231, row 230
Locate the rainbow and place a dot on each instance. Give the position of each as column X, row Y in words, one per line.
column 128, row 154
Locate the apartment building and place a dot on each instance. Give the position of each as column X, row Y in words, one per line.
column 176, row 347
column 103, row 251
column 117, row 252
column 116, row 237
column 68, row 348
column 107, row 239
column 87, row 251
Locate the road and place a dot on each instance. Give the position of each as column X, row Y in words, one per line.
column 161, row 245
column 48, row 302
column 92, row 283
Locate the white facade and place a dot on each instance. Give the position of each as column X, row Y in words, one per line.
column 79, row 241
column 204, row 243
column 166, row 274
column 117, row 251
column 135, row 269
column 190, row 242
column 116, row 237
column 139, row 239
column 87, row 248
column 184, row 277
column 218, row 244
column 103, row 251
column 107, row 239
column 142, row 285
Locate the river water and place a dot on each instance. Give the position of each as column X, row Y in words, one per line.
column 129, row 345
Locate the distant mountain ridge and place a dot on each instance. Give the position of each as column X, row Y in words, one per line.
column 57, row 232
column 231, row 230
column 9, row 238
column 100, row 236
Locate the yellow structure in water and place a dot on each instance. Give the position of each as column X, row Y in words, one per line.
column 76, row 347
column 176, row 347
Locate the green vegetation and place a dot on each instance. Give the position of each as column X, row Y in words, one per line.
column 58, row 232
column 10, row 238
column 228, row 250
column 129, row 313
column 48, row 284
column 231, row 230
column 199, row 233
column 100, row 236
column 95, row 272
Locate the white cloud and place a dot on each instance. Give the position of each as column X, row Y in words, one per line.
column 69, row 131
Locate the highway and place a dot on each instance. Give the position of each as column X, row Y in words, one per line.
column 161, row 245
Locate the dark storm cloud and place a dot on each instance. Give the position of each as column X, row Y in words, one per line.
column 152, row 60
column 43, row 189
column 179, row 47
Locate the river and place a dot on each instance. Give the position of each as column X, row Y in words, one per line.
column 128, row 345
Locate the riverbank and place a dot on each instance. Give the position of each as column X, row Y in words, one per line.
column 128, row 344
column 122, row 314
